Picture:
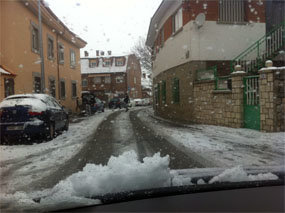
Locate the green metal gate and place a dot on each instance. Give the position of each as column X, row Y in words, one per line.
column 251, row 102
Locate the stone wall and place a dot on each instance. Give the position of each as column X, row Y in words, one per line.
column 272, row 100
column 219, row 107
column 201, row 103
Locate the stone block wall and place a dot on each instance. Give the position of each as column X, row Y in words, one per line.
column 224, row 108
column 201, row 103
column 272, row 99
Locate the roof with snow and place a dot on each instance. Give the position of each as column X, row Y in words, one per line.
column 5, row 71
column 86, row 69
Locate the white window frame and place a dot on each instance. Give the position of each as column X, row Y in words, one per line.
column 97, row 80
column 177, row 20
column 119, row 79
column 107, row 81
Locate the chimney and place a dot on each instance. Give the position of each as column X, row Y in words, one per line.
column 102, row 53
column 97, row 52
column 109, row 52
column 86, row 54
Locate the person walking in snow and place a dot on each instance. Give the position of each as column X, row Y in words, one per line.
column 127, row 100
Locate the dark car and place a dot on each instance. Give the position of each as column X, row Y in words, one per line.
column 30, row 115
column 115, row 103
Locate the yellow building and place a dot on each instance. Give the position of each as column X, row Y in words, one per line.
column 20, row 53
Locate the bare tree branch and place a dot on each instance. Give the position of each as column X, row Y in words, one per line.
column 143, row 53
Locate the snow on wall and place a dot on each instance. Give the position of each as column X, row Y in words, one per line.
column 85, row 69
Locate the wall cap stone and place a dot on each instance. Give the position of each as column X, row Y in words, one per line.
column 271, row 69
column 238, row 73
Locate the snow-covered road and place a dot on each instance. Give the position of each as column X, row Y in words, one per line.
column 216, row 146
column 23, row 165
column 82, row 157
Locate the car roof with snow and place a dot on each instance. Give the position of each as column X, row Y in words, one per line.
column 38, row 96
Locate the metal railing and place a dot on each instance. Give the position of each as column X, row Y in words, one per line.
column 267, row 47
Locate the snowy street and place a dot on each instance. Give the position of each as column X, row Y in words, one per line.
column 93, row 140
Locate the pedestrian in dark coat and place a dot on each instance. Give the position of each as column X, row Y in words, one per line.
column 127, row 100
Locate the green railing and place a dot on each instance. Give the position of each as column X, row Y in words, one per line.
column 206, row 74
column 267, row 47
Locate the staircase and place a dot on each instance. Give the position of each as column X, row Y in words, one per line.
column 266, row 48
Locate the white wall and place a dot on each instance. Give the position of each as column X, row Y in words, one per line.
column 211, row 42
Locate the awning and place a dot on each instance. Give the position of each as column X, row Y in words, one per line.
column 5, row 71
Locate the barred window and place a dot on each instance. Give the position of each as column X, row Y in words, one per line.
column 231, row 11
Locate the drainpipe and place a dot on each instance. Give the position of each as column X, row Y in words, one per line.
column 41, row 49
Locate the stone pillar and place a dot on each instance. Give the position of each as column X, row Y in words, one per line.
column 237, row 96
column 266, row 97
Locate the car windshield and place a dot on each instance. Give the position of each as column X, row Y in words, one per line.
column 102, row 99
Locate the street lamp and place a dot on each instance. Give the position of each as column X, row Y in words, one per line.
column 41, row 49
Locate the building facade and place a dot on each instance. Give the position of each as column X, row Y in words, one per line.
column 196, row 46
column 110, row 76
column 20, row 53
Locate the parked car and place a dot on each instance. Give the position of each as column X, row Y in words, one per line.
column 138, row 102
column 31, row 114
column 115, row 103
column 98, row 106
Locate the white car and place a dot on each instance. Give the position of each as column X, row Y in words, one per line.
column 138, row 102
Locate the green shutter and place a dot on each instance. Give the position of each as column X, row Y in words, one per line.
column 158, row 93
column 175, row 91
column 163, row 91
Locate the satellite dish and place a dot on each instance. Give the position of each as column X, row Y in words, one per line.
column 200, row 20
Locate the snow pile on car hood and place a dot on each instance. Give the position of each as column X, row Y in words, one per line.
column 237, row 174
column 121, row 174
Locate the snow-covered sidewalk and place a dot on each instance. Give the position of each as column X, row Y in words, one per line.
column 216, row 146
column 21, row 165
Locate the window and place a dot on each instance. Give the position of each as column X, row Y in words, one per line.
column 52, row 87
column 135, row 80
column 37, row 84
column 73, row 90
column 72, row 58
column 92, row 64
column 163, row 91
column 119, row 63
column 9, row 86
column 35, row 39
column 177, row 21
column 107, row 79
column 84, row 82
column 97, row 80
column 162, row 37
column 175, row 91
column 50, row 48
column 62, row 89
column 119, row 79
column 61, row 53
column 231, row 11
column 107, row 63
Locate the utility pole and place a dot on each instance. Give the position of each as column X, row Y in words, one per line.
column 41, row 49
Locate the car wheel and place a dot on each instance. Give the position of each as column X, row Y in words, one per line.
column 51, row 132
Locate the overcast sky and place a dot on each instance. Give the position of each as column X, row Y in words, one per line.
column 106, row 24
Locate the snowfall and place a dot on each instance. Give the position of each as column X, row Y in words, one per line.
column 228, row 154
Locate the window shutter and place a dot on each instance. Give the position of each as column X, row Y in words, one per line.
column 175, row 91
column 163, row 91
